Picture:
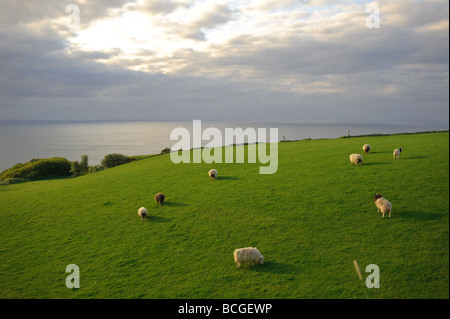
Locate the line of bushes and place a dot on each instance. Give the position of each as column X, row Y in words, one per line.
column 37, row 169
column 109, row 161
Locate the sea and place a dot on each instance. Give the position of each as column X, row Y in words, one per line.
column 21, row 141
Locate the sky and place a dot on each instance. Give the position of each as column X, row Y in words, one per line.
column 250, row 60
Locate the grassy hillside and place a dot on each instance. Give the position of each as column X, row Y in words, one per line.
column 310, row 220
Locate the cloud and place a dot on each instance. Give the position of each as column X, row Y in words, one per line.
column 304, row 60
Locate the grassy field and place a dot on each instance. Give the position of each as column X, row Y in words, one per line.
column 310, row 220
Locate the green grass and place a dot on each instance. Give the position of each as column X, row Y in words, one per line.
column 310, row 220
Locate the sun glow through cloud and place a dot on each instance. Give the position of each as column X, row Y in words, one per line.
column 148, row 37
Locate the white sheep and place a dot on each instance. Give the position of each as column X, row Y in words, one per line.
column 143, row 212
column 397, row 152
column 247, row 255
column 383, row 205
column 213, row 174
column 356, row 159
column 366, row 148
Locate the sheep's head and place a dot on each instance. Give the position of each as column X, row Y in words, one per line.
column 261, row 260
column 377, row 196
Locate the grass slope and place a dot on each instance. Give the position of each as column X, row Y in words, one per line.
column 310, row 220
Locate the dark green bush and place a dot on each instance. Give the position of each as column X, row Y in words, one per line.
column 75, row 169
column 165, row 151
column 38, row 169
column 113, row 160
column 95, row 168
column 8, row 181
column 81, row 168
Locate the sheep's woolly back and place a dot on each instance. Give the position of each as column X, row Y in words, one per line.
column 397, row 152
column 356, row 158
column 383, row 205
column 142, row 212
column 366, row 148
column 213, row 173
column 247, row 255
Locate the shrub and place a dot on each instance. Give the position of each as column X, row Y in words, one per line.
column 13, row 180
column 113, row 160
column 38, row 169
column 84, row 162
column 75, row 168
column 81, row 168
column 165, row 151
column 95, row 168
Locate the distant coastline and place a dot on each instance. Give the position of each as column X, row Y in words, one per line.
column 22, row 140
column 61, row 167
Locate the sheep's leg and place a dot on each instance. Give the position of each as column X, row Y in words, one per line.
column 383, row 215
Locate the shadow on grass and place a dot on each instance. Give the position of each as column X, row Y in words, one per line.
column 227, row 178
column 378, row 152
column 375, row 163
column 275, row 268
column 159, row 219
column 174, row 204
column 414, row 157
column 423, row 216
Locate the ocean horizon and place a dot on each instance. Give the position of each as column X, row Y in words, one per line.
column 22, row 140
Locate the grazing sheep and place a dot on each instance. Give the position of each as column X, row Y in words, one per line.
column 397, row 152
column 143, row 212
column 366, row 148
column 213, row 174
column 247, row 255
column 356, row 159
column 159, row 198
column 383, row 205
